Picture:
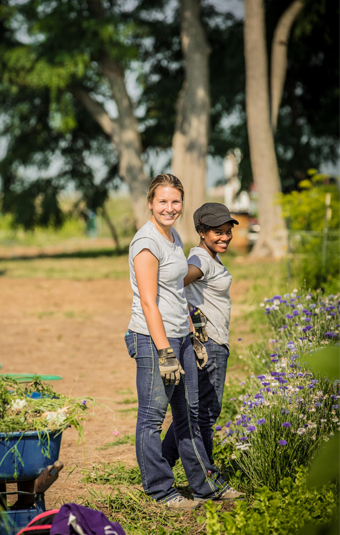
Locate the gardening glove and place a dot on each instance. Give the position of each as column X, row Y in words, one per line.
column 169, row 366
column 199, row 350
column 200, row 321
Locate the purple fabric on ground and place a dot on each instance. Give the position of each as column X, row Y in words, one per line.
column 75, row 519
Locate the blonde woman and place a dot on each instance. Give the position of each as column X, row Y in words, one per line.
column 158, row 339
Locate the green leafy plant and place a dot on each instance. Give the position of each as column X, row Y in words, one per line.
column 282, row 512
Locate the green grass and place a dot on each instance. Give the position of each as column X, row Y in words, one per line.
column 133, row 410
column 126, row 439
column 128, row 401
column 137, row 513
column 119, row 209
column 67, row 268
column 140, row 515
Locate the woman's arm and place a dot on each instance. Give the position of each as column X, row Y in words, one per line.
column 146, row 270
column 193, row 274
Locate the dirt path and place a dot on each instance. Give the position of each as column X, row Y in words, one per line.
column 75, row 329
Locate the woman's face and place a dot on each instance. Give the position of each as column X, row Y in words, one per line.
column 166, row 205
column 218, row 239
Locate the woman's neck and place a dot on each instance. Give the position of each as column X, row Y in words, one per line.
column 165, row 231
column 204, row 246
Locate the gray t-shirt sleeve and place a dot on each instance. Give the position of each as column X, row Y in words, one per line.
column 145, row 243
column 200, row 262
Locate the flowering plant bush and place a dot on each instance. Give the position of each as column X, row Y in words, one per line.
column 285, row 412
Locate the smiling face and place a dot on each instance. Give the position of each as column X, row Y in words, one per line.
column 217, row 239
column 166, row 205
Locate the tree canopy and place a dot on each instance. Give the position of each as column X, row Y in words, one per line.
column 51, row 50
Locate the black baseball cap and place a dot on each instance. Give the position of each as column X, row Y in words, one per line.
column 213, row 214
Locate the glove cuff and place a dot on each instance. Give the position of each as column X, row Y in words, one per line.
column 165, row 353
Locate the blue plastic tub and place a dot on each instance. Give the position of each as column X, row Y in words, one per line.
column 23, row 456
column 13, row 521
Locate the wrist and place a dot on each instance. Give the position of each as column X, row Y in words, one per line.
column 165, row 352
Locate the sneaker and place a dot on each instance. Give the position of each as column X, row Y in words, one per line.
column 230, row 494
column 178, row 502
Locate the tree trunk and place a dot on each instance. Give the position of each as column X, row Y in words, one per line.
column 272, row 237
column 131, row 166
column 126, row 140
column 190, row 140
column 111, row 226
column 279, row 57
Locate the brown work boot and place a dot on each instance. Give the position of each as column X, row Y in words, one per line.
column 179, row 502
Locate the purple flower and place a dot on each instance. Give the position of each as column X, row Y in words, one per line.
column 291, row 345
column 239, row 339
column 261, row 376
column 218, row 427
column 289, row 316
column 261, row 421
column 238, row 422
column 275, row 360
column 314, row 381
column 286, row 424
column 294, row 357
column 265, row 384
column 243, row 439
column 317, row 404
column 301, row 387
column 274, row 355
column 310, row 386
column 283, row 442
column 295, row 313
column 228, row 424
column 333, row 396
column 335, row 406
column 302, row 337
column 277, row 297
column 251, row 428
column 83, row 402
column 331, row 335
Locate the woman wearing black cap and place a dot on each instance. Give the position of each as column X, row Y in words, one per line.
column 207, row 289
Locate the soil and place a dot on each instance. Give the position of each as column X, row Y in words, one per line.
column 76, row 329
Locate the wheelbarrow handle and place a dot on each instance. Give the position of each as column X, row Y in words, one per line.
column 47, row 477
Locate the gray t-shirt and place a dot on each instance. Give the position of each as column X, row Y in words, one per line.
column 173, row 267
column 210, row 293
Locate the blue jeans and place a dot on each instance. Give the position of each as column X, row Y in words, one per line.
column 211, row 383
column 153, row 400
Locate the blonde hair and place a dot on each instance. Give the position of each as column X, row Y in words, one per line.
column 164, row 180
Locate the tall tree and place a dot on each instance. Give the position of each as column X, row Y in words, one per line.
column 278, row 69
column 190, row 140
column 89, row 65
column 272, row 238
